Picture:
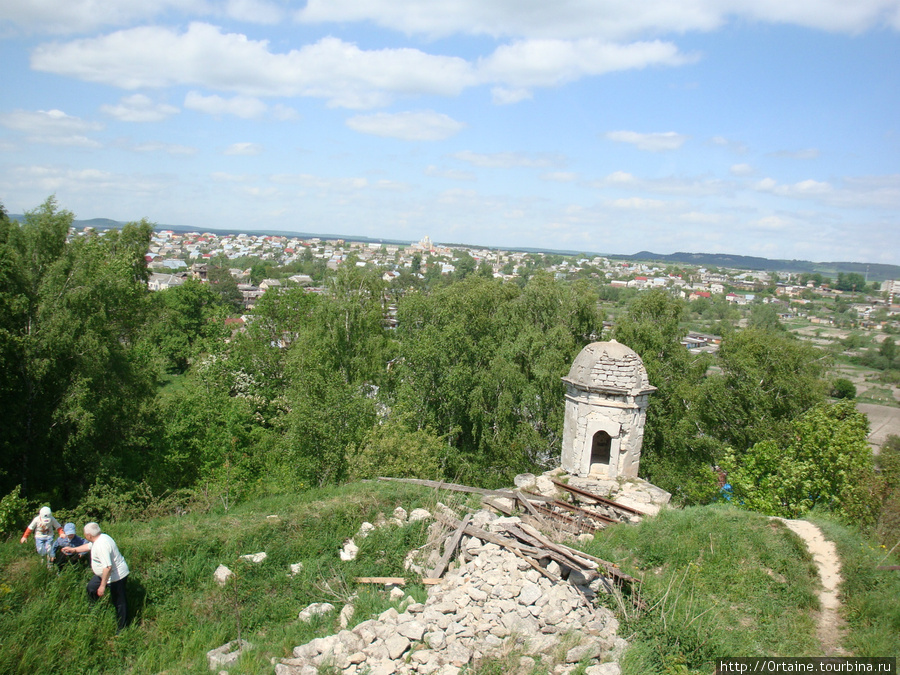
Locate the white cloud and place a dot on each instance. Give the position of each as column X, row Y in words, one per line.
column 322, row 184
column 47, row 179
column 139, row 108
column 571, row 19
column 504, row 96
column 637, row 204
column 53, row 127
column 560, row 176
column 337, row 71
column 245, row 107
column 611, row 19
column 546, row 63
column 801, row 189
column 168, row 148
column 807, row 153
column 655, row 142
column 703, row 218
column 741, row 170
column 854, row 192
column 75, row 16
column 284, row 113
column 423, row 125
column 508, row 160
column 451, row 174
column 668, row 185
column 619, row 177
column 254, row 11
column 244, row 149
column 737, row 147
column 225, row 177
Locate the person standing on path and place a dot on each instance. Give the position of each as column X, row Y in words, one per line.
column 43, row 526
column 109, row 567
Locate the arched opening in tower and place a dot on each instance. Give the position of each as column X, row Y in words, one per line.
column 601, row 445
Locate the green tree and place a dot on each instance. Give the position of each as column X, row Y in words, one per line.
column 825, row 462
column 764, row 317
column 225, row 287
column 75, row 388
column 480, row 362
column 767, row 379
column 188, row 320
column 675, row 455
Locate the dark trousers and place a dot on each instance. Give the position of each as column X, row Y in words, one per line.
column 116, row 591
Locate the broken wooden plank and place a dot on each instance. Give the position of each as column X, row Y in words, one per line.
column 610, row 567
column 546, row 550
column 396, row 581
column 547, row 573
column 499, row 507
column 570, row 558
column 585, row 512
column 484, row 535
column 576, row 526
column 450, row 548
column 597, row 498
column 523, row 500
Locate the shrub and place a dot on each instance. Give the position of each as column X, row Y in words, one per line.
column 843, row 388
column 14, row 509
column 393, row 450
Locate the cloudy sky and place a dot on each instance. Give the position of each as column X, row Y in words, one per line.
column 756, row 127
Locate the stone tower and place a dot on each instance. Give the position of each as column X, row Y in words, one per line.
column 607, row 393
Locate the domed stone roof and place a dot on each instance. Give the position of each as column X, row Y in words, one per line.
column 609, row 366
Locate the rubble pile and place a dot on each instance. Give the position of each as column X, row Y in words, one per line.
column 496, row 602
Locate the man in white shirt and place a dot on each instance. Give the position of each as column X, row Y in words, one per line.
column 109, row 567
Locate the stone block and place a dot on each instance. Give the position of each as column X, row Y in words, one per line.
column 227, row 654
column 315, row 609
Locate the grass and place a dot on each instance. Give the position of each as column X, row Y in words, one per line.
column 717, row 581
column 179, row 612
column 869, row 595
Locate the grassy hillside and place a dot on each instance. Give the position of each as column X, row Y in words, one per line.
column 717, row 581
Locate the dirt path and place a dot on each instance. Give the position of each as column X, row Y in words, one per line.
column 830, row 630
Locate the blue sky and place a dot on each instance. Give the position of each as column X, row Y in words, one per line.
column 763, row 127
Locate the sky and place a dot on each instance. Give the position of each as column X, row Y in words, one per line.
column 753, row 127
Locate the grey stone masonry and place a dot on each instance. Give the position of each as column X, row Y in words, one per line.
column 607, row 393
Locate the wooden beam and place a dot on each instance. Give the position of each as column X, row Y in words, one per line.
column 585, row 512
column 597, row 498
column 450, row 548
column 571, row 560
column 484, row 535
column 576, row 526
column 397, row 581
column 499, row 507
column 552, row 577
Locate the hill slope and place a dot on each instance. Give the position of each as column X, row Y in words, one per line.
column 717, row 581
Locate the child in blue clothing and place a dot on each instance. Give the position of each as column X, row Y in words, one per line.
column 69, row 538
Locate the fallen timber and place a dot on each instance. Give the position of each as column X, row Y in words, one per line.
column 527, row 542
column 597, row 498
